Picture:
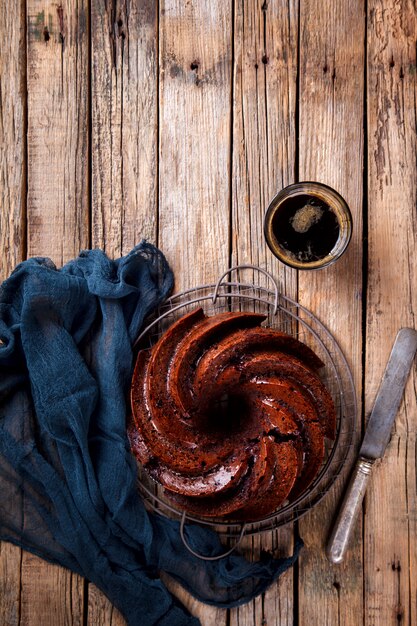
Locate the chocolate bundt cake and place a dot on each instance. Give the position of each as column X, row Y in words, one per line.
column 230, row 417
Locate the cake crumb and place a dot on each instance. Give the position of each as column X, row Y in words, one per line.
column 305, row 217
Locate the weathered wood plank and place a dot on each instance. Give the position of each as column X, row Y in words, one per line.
column 12, row 137
column 391, row 504
column 264, row 139
column 276, row 605
column 51, row 595
column 10, row 559
column 195, row 102
column 101, row 611
column 264, row 145
column 124, row 86
column 57, row 217
column 124, row 123
column 12, row 223
column 331, row 151
column 194, row 169
column 57, row 128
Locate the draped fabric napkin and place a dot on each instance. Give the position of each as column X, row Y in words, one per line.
column 67, row 477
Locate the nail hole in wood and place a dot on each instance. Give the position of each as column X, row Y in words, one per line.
column 194, row 65
column 46, row 34
column 265, row 59
column 325, row 69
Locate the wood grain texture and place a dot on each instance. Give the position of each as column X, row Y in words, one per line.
column 264, row 146
column 124, row 123
column 276, row 605
column 331, row 151
column 57, row 218
column 10, row 560
column 12, row 137
column 195, row 134
column 12, row 223
column 50, row 595
column 57, row 55
column 391, row 504
column 208, row 615
column 101, row 611
column 264, row 134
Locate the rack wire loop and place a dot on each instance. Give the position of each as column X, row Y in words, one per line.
column 247, row 267
column 202, row 556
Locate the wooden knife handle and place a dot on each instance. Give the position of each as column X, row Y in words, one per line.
column 339, row 539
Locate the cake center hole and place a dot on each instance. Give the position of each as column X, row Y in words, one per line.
column 227, row 414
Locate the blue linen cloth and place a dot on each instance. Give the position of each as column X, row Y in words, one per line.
column 67, row 477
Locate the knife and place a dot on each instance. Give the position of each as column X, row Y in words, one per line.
column 376, row 439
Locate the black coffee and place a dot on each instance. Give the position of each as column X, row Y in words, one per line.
column 306, row 227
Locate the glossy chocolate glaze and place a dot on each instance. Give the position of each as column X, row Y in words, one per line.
column 228, row 416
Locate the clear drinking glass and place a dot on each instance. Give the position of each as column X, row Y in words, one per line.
column 308, row 225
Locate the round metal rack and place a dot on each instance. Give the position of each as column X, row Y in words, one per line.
column 286, row 315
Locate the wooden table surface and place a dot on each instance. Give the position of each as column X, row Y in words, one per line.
column 178, row 121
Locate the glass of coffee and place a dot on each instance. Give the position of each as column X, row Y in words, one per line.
column 308, row 225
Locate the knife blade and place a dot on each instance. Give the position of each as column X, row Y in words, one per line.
column 389, row 396
column 376, row 438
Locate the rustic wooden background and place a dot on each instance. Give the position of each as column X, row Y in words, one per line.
column 178, row 121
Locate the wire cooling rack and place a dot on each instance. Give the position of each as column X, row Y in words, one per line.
column 285, row 315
